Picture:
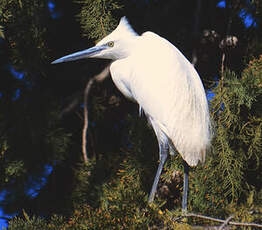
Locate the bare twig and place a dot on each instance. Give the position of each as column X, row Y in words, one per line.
column 209, row 228
column 5, row 218
column 79, row 115
column 222, row 65
column 70, row 107
column 20, row 4
column 226, row 222
column 102, row 26
column 97, row 78
column 223, row 221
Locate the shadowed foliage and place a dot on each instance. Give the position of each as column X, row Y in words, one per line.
column 43, row 180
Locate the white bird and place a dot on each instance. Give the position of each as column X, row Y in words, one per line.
column 151, row 71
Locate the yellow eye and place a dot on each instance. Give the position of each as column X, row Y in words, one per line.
column 110, row 44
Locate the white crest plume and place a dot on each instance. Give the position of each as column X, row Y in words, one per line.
column 124, row 27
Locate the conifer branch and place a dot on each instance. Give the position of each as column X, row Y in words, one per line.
column 97, row 78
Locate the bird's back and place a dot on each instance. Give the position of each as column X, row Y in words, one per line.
column 170, row 92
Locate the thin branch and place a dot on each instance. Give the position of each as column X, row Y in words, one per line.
column 102, row 26
column 20, row 4
column 97, row 78
column 226, row 222
column 86, row 92
column 209, row 228
column 223, row 221
column 222, row 66
column 70, row 107
column 5, row 218
column 79, row 115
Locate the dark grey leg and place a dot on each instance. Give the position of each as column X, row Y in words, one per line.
column 163, row 155
column 185, row 191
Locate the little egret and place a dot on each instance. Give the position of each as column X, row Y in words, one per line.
column 151, row 71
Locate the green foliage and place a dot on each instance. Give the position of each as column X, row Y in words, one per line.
column 111, row 190
column 34, row 223
column 23, row 26
column 31, row 134
column 14, row 169
column 84, row 188
column 96, row 17
column 87, row 217
column 231, row 174
column 3, row 149
column 122, row 205
column 57, row 140
column 233, row 167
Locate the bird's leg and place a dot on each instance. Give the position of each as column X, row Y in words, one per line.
column 163, row 155
column 185, row 191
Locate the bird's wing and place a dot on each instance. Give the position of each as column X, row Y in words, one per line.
column 170, row 91
column 120, row 72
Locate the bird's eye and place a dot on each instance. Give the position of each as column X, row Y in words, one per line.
column 110, row 44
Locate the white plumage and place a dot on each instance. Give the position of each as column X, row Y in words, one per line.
column 167, row 87
column 151, row 71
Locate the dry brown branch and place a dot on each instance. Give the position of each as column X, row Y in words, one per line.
column 223, row 221
column 97, row 78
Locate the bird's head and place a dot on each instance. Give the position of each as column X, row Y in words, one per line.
column 116, row 45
